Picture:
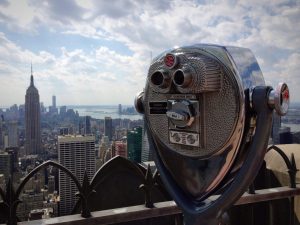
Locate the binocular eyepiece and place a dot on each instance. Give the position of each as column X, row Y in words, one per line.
column 183, row 75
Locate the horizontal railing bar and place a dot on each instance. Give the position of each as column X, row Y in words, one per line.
column 140, row 212
column 112, row 216
column 270, row 194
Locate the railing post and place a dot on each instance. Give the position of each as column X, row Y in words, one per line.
column 292, row 207
column 84, row 195
column 147, row 186
column 290, row 164
column 292, row 170
column 251, row 189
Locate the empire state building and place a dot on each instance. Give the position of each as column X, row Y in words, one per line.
column 32, row 120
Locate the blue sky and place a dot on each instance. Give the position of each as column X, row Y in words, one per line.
column 97, row 52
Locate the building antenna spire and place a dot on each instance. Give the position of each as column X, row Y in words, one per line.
column 31, row 77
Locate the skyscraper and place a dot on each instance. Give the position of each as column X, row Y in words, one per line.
column 76, row 153
column 120, row 109
column 146, row 153
column 120, row 149
column 1, row 132
column 52, row 108
column 108, row 129
column 63, row 110
column 43, row 108
column 134, row 144
column 84, row 125
column 6, row 166
column 87, row 125
column 276, row 125
column 104, row 146
column 32, row 120
column 54, row 102
column 51, row 184
column 13, row 138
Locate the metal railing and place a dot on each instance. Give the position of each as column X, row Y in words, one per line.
column 140, row 212
column 148, row 210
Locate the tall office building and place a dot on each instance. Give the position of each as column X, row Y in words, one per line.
column 81, row 126
column 52, row 108
column 87, row 125
column 1, row 133
column 54, row 102
column 147, row 155
column 63, row 130
column 121, row 149
column 51, row 184
column 108, row 129
column 6, row 166
column 276, row 125
column 5, row 140
column 13, row 152
column 32, row 120
column 63, row 110
column 84, row 125
column 134, row 144
column 285, row 135
column 43, row 108
column 120, row 109
column 22, row 112
column 2, row 182
column 13, row 137
column 76, row 153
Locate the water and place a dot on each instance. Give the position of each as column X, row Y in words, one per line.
column 101, row 111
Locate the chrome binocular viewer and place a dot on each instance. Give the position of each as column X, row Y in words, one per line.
column 208, row 116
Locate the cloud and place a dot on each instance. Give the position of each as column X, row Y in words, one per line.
column 75, row 76
column 286, row 70
column 129, row 21
column 17, row 16
column 62, row 10
column 11, row 53
column 4, row 2
column 159, row 24
column 270, row 29
column 115, row 9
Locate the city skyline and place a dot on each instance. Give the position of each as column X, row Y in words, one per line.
column 98, row 53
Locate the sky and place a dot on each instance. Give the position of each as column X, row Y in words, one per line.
column 97, row 52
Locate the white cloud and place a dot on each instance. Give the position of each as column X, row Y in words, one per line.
column 19, row 12
column 76, row 76
column 287, row 70
column 270, row 29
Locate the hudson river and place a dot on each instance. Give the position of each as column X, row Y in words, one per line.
column 101, row 111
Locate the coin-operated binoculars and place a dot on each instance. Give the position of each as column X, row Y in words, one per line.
column 208, row 116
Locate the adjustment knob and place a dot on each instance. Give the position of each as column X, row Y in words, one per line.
column 191, row 139
column 181, row 113
column 279, row 99
column 139, row 102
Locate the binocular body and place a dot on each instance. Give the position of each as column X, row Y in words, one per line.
column 194, row 101
column 200, row 117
